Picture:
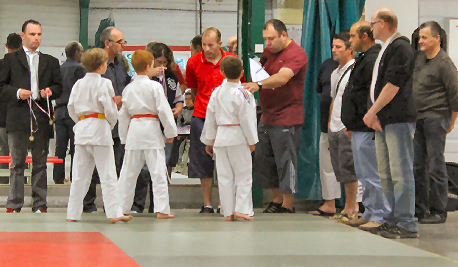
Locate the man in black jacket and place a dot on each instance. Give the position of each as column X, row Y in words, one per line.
column 29, row 80
column 354, row 107
column 13, row 44
column 393, row 116
column 71, row 71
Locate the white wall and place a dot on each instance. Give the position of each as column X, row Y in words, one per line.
column 175, row 28
column 59, row 19
column 406, row 11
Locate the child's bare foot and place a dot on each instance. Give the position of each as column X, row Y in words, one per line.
column 164, row 216
column 70, row 220
column 243, row 216
column 124, row 218
column 67, row 179
column 231, row 218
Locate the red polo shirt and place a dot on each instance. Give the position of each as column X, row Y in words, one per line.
column 204, row 76
column 285, row 105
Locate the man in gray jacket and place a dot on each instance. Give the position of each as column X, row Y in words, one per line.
column 435, row 88
column 71, row 71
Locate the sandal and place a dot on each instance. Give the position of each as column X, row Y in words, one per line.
column 322, row 213
column 344, row 217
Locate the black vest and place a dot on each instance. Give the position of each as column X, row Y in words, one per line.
column 171, row 82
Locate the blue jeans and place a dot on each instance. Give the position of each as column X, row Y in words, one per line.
column 364, row 157
column 394, row 147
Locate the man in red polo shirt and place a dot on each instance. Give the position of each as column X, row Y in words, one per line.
column 282, row 104
column 203, row 74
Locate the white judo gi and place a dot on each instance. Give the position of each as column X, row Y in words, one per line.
column 144, row 140
column 231, row 123
column 93, row 143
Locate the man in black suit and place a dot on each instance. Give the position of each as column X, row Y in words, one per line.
column 27, row 78
column 71, row 71
column 13, row 44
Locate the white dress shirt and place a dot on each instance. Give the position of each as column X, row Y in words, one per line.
column 230, row 104
column 33, row 59
column 93, row 94
column 144, row 96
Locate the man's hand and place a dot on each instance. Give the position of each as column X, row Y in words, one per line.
column 349, row 134
column 252, row 147
column 25, row 94
column 209, row 150
column 252, row 87
column 371, row 120
column 118, row 100
column 169, row 140
column 45, row 92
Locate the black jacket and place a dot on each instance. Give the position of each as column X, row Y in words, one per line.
column 355, row 97
column 15, row 74
column 3, row 105
column 71, row 71
column 396, row 67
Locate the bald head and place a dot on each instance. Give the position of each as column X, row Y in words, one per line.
column 388, row 16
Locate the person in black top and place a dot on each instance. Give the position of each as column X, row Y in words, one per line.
column 13, row 44
column 330, row 188
column 393, row 116
column 354, row 107
column 71, row 71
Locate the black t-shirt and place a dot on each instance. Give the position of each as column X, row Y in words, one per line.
column 323, row 87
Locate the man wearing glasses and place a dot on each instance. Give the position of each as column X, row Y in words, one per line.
column 112, row 41
column 392, row 116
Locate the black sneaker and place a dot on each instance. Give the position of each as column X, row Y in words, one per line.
column 206, row 210
column 218, row 210
column 378, row 230
column 397, row 232
column 432, row 219
column 273, row 208
column 286, row 210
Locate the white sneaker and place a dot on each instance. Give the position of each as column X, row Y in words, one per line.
column 133, row 212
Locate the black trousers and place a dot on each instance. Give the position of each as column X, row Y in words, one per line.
column 64, row 133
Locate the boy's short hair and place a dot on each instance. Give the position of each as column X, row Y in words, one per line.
column 141, row 59
column 232, row 67
column 93, row 58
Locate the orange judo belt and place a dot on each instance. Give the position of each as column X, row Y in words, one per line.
column 138, row 116
column 229, row 125
column 93, row 115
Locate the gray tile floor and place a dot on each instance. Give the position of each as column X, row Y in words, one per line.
column 193, row 239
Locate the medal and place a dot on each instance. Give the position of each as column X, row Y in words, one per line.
column 31, row 138
column 50, row 121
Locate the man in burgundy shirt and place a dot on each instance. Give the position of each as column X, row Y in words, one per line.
column 203, row 74
column 281, row 97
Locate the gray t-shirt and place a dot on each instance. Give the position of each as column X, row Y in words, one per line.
column 435, row 86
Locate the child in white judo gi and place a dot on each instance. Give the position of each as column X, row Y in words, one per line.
column 230, row 133
column 92, row 108
column 144, row 109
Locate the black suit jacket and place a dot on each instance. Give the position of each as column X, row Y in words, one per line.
column 3, row 104
column 14, row 75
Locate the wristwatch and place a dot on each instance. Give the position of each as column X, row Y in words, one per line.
column 260, row 85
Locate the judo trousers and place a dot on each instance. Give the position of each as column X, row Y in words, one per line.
column 86, row 158
column 234, row 168
column 131, row 167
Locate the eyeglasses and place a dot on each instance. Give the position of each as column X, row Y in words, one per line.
column 373, row 23
column 121, row 42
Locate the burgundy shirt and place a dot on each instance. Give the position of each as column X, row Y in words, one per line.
column 285, row 105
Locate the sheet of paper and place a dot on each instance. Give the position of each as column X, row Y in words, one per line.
column 257, row 72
